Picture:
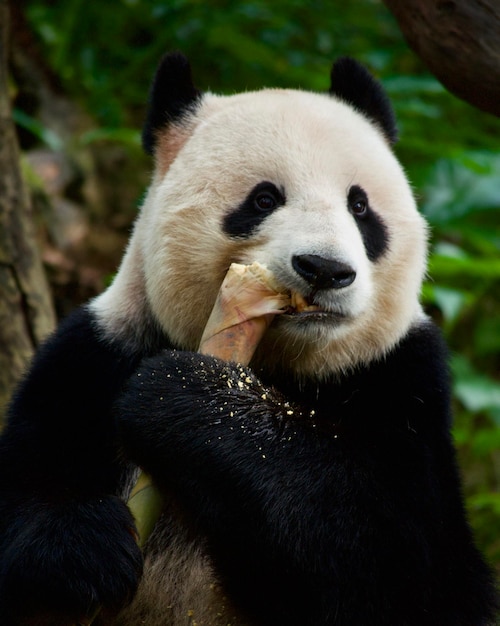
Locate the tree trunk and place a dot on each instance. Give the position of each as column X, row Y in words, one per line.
column 459, row 41
column 26, row 312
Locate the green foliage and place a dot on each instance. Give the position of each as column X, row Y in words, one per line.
column 105, row 54
column 461, row 200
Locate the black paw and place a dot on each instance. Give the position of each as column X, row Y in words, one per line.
column 174, row 380
column 180, row 405
column 63, row 563
column 184, row 389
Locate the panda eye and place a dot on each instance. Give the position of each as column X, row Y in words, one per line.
column 259, row 204
column 265, row 201
column 358, row 202
column 359, row 208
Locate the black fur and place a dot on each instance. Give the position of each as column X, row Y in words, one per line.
column 324, row 505
column 244, row 220
column 371, row 225
column 352, row 83
column 66, row 540
column 172, row 96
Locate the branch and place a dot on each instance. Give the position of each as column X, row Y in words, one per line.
column 459, row 41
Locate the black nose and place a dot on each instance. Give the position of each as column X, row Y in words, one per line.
column 323, row 273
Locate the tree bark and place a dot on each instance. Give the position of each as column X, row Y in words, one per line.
column 26, row 312
column 459, row 41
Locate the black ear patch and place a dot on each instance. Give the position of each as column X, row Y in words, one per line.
column 172, row 95
column 353, row 83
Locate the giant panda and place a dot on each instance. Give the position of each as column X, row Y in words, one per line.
column 316, row 487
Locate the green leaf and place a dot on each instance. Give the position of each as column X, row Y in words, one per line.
column 486, row 500
column 448, row 267
column 487, row 335
column 45, row 135
column 450, row 301
column 476, row 391
column 127, row 136
column 486, row 441
column 462, row 185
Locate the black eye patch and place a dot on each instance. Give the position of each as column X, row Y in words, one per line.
column 371, row 226
column 260, row 202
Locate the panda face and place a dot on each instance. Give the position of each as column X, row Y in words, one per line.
column 308, row 187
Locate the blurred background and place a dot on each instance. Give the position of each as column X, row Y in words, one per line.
column 79, row 77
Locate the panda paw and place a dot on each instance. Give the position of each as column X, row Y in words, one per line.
column 175, row 382
column 65, row 563
column 177, row 400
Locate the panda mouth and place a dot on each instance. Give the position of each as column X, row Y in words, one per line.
column 300, row 304
column 305, row 307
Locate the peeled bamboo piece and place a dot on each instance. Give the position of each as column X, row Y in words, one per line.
column 145, row 504
column 248, row 300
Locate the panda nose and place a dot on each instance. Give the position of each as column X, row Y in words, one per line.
column 322, row 273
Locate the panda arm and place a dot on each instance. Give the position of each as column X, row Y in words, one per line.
column 297, row 513
column 66, row 541
column 210, row 433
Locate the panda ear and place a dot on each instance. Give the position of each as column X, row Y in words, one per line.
column 172, row 96
column 353, row 83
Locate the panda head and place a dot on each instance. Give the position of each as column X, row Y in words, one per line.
column 304, row 183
